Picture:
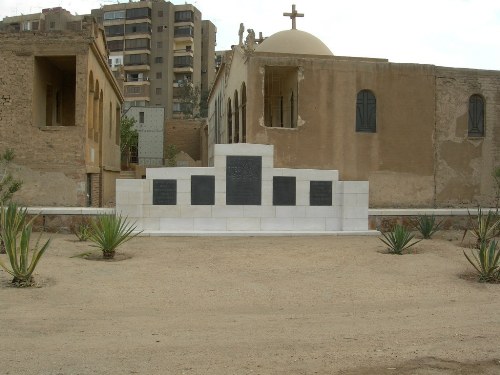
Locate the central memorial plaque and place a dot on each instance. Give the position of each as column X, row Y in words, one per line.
column 165, row 192
column 243, row 180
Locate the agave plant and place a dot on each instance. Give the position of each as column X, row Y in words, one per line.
column 486, row 261
column 398, row 240
column 110, row 231
column 426, row 225
column 484, row 228
column 16, row 235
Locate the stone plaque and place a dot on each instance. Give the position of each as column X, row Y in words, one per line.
column 202, row 190
column 284, row 191
column 320, row 193
column 165, row 192
column 243, row 180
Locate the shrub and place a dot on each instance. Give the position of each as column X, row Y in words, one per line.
column 426, row 225
column 82, row 229
column 484, row 227
column 486, row 261
column 398, row 239
column 110, row 231
column 16, row 234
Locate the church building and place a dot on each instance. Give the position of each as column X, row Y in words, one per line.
column 422, row 135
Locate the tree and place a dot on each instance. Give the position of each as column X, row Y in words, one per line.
column 8, row 184
column 194, row 102
column 128, row 138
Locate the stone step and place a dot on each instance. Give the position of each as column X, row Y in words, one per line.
column 127, row 174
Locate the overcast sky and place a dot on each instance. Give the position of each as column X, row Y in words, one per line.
column 457, row 33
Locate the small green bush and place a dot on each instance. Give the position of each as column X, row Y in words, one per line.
column 82, row 229
column 426, row 225
column 486, row 261
column 398, row 239
column 110, row 231
column 16, row 235
column 484, row 227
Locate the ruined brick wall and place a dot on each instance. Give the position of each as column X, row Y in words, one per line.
column 464, row 165
column 50, row 160
column 186, row 135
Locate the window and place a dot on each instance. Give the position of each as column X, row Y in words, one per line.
column 184, row 31
column 184, row 16
column 366, row 112
column 160, row 13
column 476, row 116
column 138, row 13
column 159, row 44
column 141, row 117
column 135, row 77
column 158, row 75
column 136, row 59
column 183, row 61
column 131, row 44
column 115, row 30
column 137, row 28
column 115, row 45
column 158, row 60
column 158, row 91
column 159, row 29
column 119, row 14
column 52, row 24
column 133, row 89
column 280, row 96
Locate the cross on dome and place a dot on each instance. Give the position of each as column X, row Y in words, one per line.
column 293, row 16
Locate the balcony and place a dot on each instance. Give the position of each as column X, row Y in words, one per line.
column 136, row 91
column 183, row 52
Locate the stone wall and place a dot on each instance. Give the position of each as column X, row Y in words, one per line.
column 49, row 160
column 464, row 165
column 186, row 136
column 44, row 115
column 420, row 154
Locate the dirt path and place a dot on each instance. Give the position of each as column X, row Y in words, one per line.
column 260, row 305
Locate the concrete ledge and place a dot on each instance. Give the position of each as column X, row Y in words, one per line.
column 70, row 211
column 426, row 211
column 256, row 234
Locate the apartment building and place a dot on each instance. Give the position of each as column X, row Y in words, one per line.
column 158, row 47
column 50, row 19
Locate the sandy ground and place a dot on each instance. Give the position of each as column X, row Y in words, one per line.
column 259, row 305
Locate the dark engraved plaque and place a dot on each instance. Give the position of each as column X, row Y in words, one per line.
column 284, row 191
column 165, row 192
column 320, row 193
column 243, row 180
column 203, row 190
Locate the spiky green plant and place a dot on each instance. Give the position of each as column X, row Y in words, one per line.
column 16, row 235
column 426, row 225
column 398, row 239
column 110, row 231
column 486, row 261
column 82, row 229
column 484, row 227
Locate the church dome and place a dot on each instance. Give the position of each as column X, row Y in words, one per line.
column 294, row 42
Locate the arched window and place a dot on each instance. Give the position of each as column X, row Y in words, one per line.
column 243, row 113
column 366, row 112
column 229, row 122
column 90, row 107
column 476, row 116
column 236, row 118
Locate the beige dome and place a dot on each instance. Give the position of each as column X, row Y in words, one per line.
column 295, row 42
